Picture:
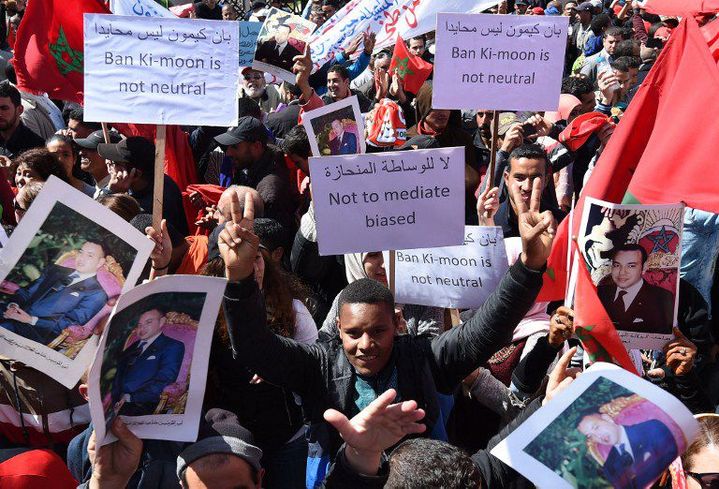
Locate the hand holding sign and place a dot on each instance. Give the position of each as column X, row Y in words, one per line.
column 536, row 228
column 238, row 244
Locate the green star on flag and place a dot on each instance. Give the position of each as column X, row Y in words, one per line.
column 66, row 58
column 403, row 68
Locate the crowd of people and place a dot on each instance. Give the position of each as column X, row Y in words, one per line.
column 317, row 377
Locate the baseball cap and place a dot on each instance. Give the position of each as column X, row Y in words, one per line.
column 96, row 138
column 506, row 120
column 585, row 7
column 248, row 129
column 221, row 432
column 136, row 151
column 538, row 11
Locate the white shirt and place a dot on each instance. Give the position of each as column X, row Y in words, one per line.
column 80, row 277
column 624, row 440
column 631, row 293
column 100, row 185
column 149, row 341
column 281, row 47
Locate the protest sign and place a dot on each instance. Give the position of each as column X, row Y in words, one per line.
column 336, row 129
column 633, row 253
column 3, row 237
column 282, row 37
column 161, row 71
column 62, row 270
column 151, row 365
column 143, row 8
column 452, row 276
column 499, row 62
column 575, row 440
column 248, row 41
column 387, row 201
column 386, row 18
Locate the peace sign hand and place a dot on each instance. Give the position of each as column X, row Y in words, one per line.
column 237, row 243
column 536, row 228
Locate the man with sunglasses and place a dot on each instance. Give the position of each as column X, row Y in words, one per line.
column 255, row 87
column 92, row 162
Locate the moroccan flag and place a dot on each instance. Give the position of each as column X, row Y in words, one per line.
column 592, row 325
column 412, row 70
column 49, row 46
column 659, row 150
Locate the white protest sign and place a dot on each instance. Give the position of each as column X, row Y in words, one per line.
column 386, row 201
column 452, row 276
column 161, row 71
column 143, row 8
column 499, row 62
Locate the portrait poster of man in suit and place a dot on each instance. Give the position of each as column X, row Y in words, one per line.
column 152, row 360
column 608, row 428
column 633, row 254
column 66, row 263
column 336, row 129
column 282, row 37
column 147, row 366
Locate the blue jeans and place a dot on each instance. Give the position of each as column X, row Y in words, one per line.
column 700, row 247
column 285, row 467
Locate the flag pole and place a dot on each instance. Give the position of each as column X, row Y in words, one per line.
column 105, row 132
column 158, row 189
column 493, row 149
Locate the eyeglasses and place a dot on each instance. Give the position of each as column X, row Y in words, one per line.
column 708, row 480
column 253, row 77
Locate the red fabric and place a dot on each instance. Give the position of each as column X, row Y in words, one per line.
column 14, row 434
column 179, row 162
column 36, row 469
column 42, row 25
column 664, row 165
column 581, row 128
column 682, row 8
column 593, row 327
column 412, row 69
column 297, row 176
column 210, row 194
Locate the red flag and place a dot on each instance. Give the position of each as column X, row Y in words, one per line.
column 412, row 70
column 593, row 327
column 49, row 47
column 685, row 7
column 651, row 157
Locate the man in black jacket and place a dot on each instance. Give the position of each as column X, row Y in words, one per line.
column 368, row 358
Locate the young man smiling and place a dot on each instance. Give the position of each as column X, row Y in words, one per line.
column 368, row 357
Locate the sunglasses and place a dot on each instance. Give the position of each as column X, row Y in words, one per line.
column 253, row 77
column 708, row 480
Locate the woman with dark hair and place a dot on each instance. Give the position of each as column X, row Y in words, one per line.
column 271, row 413
column 37, row 165
column 65, row 150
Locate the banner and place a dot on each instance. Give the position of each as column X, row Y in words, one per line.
column 248, row 41
column 161, row 70
column 388, row 201
column 452, row 276
column 386, row 18
column 499, row 62
column 143, row 8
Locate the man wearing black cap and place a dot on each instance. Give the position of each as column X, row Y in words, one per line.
column 520, row 7
column 132, row 170
column 580, row 31
column 253, row 159
column 92, row 162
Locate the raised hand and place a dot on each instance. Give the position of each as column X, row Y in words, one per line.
column 369, row 39
column 487, row 205
column 237, row 243
column 302, row 69
column 561, row 326
column 561, row 376
column 680, row 354
column 162, row 252
column 376, row 428
column 536, row 228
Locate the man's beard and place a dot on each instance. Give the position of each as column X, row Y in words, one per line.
column 254, row 92
column 5, row 125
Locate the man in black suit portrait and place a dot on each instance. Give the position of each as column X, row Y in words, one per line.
column 59, row 298
column 640, row 452
column 344, row 143
column 278, row 51
column 631, row 302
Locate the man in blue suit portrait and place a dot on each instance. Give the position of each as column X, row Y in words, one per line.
column 59, row 298
column 639, row 453
column 344, row 143
column 146, row 367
